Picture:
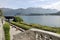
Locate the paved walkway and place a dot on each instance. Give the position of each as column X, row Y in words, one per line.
column 1, row 31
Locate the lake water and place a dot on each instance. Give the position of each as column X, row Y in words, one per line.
column 43, row 20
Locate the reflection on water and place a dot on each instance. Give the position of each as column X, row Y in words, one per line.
column 44, row 20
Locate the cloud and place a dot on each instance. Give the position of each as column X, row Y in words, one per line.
column 52, row 6
column 55, row 5
column 34, row 1
column 38, row 0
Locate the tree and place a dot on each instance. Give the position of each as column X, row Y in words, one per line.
column 1, row 14
column 18, row 19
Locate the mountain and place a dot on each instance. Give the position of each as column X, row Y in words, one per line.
column 11, row 12
column 58, row 13
column 8, row 11
column 39, row 10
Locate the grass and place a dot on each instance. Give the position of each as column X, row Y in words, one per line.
column 47, row 28
column 28, row 26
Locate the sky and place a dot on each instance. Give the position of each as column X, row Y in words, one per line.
column 51, row 4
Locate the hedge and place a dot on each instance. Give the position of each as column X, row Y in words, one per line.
column 6, row 28
column 21, row 25
column 47, row 28
column 28, row 26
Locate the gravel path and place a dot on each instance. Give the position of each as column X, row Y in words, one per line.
column 1, row 31
column 13, row 31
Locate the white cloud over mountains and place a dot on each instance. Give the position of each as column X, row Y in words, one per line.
column 53, row 4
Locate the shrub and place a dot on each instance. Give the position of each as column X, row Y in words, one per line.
column 6, row 28
column 17, row 19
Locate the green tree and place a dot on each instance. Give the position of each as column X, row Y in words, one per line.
column 1, row 14
column 18, row 19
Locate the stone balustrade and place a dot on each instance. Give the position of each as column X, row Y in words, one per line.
column 45, row 35
column 36, row 34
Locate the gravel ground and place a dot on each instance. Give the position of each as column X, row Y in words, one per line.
column 1, row 31
column 13, row 31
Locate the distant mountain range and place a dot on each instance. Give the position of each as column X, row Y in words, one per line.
column 11, row 12
column 58, row 13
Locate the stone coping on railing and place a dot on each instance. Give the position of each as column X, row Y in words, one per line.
column 46, row 32
column 37, row 34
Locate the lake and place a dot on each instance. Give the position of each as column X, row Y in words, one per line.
column 43, row 20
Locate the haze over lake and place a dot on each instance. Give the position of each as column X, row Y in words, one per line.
column 43, row 20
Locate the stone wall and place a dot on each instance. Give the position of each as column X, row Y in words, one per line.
column 36, row 34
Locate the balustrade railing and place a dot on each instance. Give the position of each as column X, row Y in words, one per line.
column 45, row 35
column 37, row 34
